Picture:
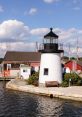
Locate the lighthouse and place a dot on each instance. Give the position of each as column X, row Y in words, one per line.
column 50, row 64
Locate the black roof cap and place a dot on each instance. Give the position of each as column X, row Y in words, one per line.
column 51, row 34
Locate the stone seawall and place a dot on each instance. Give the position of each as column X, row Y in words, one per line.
column 72, row 93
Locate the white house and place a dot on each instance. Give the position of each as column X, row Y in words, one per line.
column 25, row 71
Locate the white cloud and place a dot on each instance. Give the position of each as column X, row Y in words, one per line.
column 15, row 35
column 13, row 31
column 76, row 5
column 17, row 46
column 39, row 31
column 66, row 37
column 76, row 8
column 71, row 36
column 50, row 1
column 20, row 46
column 32, row 11
column 1, row 9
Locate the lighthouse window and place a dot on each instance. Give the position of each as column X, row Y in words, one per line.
column 45, row 71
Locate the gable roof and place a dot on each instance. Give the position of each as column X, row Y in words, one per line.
column 22, row 56
column 77, row 62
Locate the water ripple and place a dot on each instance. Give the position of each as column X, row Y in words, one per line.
column 20, row 104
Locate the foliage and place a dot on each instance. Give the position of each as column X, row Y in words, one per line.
column 1, row 59
column 33, row 79
column 73, row 58
column 65, row 57
column 73, row 78
column 64, row 84
column 80, row 58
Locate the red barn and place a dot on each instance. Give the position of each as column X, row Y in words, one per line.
column 74, row 65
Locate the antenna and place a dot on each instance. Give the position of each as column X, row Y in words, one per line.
column 8, row 47
column 69, row 50
column 36, row 47
column 77, row 50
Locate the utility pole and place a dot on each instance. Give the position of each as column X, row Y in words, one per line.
column 69, row 50
column 77, row 50
column 8, row 47
column 36, row 46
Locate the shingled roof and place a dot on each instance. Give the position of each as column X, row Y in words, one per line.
column 22, row 56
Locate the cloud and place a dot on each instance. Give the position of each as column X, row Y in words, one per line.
column 1, row 9
column 13, row 31
column 20, row 46
column 17, row 46
column 66, row 37
column 67, row 34
column 16, row 36
column 76, row 5
column 32, row 11
column 39, row 31
column 76, row 1
column 76, row 8
column 70, row 37
column 50, row 1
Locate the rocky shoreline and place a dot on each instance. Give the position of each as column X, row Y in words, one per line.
column 71, row 93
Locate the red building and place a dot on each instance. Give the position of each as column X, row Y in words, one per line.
column 74, row 65
column 13, row 60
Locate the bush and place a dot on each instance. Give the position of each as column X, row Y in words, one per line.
column 75, row 80
column 64, row 84
column 79, row 82
column 33, row 79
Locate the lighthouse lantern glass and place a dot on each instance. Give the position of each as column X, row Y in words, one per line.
column 50, row 40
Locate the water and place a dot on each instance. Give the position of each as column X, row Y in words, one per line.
column 20, row 104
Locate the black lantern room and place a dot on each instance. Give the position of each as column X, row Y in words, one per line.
column 50, row 43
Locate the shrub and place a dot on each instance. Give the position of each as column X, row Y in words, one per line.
column 64, row 84
column 79, row 82
column 33, row 79
column 75, row 80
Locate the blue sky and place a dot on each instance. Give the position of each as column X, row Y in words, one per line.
column 59, row 13
column 33, row 18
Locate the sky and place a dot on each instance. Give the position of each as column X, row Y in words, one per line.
column 25, row 22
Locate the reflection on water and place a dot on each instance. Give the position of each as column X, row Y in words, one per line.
column 49, row 107
column 20, row 104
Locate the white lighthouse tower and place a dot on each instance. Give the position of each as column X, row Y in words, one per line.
column 50, row 64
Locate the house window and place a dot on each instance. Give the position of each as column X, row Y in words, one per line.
column 45, row 71
column 24, row 70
